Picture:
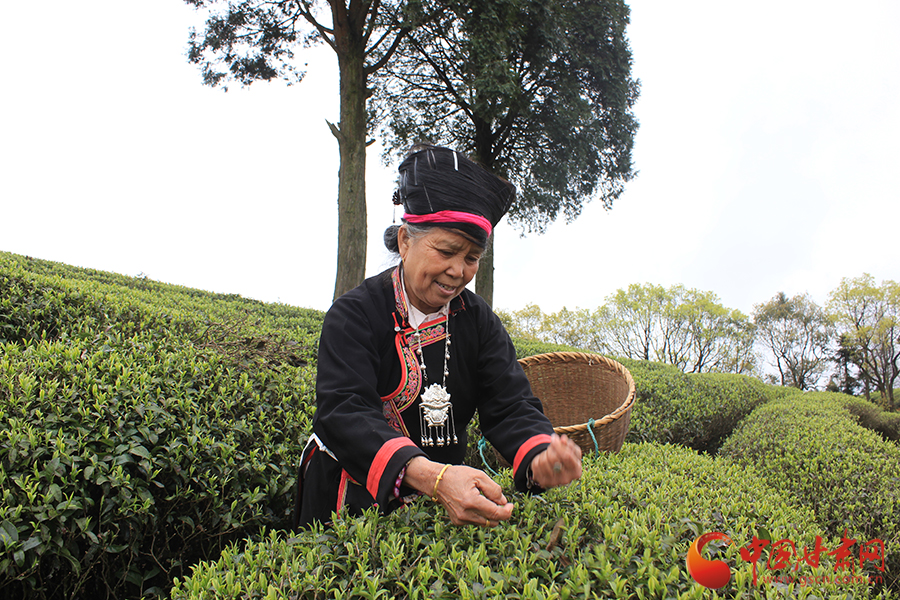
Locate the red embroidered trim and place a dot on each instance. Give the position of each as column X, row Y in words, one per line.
column 541, row 438
column 399, row 295
column 410, row 384
column 431, row 332
column 384, row 455
column 411, row 373
column 342, row 490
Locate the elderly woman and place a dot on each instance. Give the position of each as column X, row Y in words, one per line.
column 408, row 357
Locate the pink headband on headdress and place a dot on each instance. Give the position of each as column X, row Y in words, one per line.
column 450, row 216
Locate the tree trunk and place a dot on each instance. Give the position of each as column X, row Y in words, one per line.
column 484, row 281
column 351, row 136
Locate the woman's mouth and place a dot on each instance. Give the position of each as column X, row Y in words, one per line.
column 446, row 288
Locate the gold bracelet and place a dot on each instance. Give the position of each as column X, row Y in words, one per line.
column 437, row 481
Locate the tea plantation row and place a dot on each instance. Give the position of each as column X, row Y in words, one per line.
column 142, row 427
column 146, row 427
column 812, row 447
column 623, row 533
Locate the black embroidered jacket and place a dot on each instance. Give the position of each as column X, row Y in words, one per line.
column 367, row 418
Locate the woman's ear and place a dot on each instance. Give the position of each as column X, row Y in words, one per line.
column 404, row 241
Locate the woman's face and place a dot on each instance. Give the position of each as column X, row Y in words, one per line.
column 436, row 266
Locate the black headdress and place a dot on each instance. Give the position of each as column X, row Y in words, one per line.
column 440, row 186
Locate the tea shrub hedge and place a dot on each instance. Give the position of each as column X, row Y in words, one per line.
column 623, row 532
column 53, row 300
column 526, row 348
column 810, row 446
column 136, row 434
column 697, row 410
column 871, row 416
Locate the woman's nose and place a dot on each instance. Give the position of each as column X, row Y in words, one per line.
column 456, row 266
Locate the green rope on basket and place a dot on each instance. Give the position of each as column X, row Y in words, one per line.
column 591, row 431
column 482, row 444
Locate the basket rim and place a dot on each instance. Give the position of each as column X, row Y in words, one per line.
column 590, row 359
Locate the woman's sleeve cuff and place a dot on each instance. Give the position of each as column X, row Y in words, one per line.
column 397, row 452
column 526, row 453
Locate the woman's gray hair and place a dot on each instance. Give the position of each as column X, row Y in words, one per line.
column 391, row 241
column 416, row 231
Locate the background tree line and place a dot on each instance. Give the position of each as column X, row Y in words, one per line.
column 852, row 344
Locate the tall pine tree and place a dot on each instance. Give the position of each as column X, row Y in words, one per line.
column 538, row 92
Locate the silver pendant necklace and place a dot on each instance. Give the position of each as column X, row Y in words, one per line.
column 435, row 410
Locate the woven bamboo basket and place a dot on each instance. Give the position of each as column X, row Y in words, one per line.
column 588, row 397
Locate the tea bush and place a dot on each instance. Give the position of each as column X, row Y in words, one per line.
column 621, row 532
column 871, row 416
column 56, row 301
column 526, row 348
column 132, row 441
column 697, row 410
column 810, row 446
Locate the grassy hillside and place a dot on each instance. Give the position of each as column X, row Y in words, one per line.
column 149, row 434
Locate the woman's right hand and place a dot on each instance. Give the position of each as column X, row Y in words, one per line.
column 469, row 495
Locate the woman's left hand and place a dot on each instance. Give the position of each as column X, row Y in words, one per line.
column 559, row 464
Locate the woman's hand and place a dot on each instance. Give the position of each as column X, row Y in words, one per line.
column 558, row 465
column 469, row 495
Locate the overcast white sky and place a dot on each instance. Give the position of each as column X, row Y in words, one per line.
column 768, row 155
